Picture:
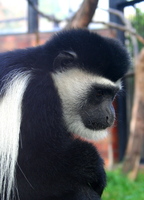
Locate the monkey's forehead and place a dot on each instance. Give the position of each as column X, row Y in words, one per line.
column 104, row 56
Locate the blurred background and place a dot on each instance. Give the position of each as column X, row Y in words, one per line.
column 26, row 23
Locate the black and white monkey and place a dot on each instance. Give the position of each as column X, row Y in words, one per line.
column 48, row 94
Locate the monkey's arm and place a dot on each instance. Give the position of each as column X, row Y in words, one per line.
column 84, row 164
column 83, row 193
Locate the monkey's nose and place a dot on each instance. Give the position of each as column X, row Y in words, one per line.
column 109, row 120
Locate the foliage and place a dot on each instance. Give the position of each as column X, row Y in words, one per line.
column 121, row 188
column 138, row 23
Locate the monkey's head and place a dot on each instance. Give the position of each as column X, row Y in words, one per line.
column 87, row 73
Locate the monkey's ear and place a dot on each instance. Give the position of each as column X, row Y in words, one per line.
column 64, row 58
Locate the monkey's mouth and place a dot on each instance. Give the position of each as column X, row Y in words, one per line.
column 95, row 126
column 86, row 129
column 97, row 123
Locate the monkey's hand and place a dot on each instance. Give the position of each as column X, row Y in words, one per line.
column 83, row 193
column 85, row 165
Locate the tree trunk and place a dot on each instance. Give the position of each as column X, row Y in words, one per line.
column 133, row 153
column 84, row 15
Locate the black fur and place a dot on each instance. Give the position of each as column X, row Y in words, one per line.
column 52, row 165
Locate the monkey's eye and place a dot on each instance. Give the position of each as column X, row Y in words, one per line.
column 99, row 93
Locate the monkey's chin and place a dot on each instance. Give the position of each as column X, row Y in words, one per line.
column 93, row 135
column 79, row 129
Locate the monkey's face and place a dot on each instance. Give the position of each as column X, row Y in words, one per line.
column 87, row 102
column 98, row 112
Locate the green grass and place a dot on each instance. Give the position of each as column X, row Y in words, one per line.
column 119, row 187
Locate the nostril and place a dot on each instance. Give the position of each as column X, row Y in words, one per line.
column 93, row 123
column 107, row 119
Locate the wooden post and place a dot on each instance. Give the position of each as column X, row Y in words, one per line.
column 133, row 153
column 32, row 18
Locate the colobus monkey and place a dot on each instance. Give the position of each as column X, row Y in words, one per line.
column 48, row 94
